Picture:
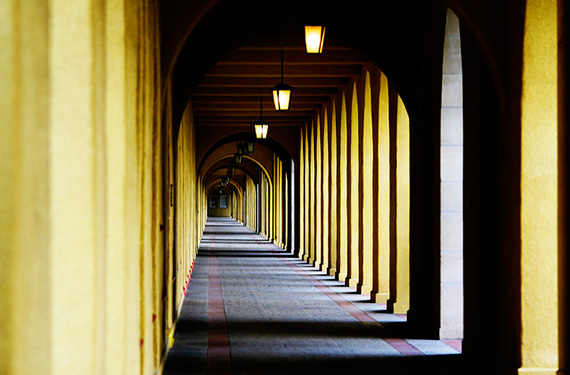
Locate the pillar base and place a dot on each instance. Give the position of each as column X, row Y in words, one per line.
column 397, row 307
column 352, row 283
column 381, row 298
column 340, row 276
column 363, row 289
column 538, row 371
column 331, row 271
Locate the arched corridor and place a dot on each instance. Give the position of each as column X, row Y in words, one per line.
column 422, row 166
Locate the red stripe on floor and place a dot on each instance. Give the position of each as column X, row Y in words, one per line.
column 399, row 344
column 219, row 358
column 403, row 346
column 455, row 344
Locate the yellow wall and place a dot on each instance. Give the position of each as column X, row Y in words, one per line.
column 82, row 126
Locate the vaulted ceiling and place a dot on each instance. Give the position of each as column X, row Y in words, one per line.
column 229, row 94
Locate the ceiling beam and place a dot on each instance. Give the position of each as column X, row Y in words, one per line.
column 270, row 82
column 268, row 115
column 273, row 57
column 293, row 71
column 198, row 99
column 250, row 106
column 243, row 121
column 262, row 91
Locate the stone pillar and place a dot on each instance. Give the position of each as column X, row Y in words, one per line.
column 382, row 293
column 539, row 191
column 451, row 184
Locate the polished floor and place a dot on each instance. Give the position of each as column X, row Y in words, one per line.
column 253, row 308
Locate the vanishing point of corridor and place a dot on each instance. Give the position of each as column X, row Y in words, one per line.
column 253, row 308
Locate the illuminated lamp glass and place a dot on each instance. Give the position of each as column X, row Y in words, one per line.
column 314, row 39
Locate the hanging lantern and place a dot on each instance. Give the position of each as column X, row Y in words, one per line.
column 250, row 146
column 251, row 139
column 261, row 127
column 314, row 39
column 282, row 93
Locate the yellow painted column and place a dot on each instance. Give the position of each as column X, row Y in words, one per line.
column 270, row 210
column 279, row 213
column 277, row 201
column 539, row 191
column 354, row 214
column 302, row 188
column 278, row 205
column 287, row 213
column 334, row 227
column 402, row 302
column 318, row 195
column 282, row 205
column 274, row 196
column 253, row 205
column 307, row 194
column 312, row 196
column 24, row 189
column 367, row 165
column 325, row 264
column 383, row 229
column 342, row 271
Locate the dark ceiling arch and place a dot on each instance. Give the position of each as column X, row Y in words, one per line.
column 226, row 166
column 272, row 144
column 231, row 187
column 230, row 24
column 225, row 25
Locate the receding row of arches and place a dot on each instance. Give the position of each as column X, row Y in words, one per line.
column 354, row 191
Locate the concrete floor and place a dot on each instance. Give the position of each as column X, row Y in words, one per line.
column 253, row 308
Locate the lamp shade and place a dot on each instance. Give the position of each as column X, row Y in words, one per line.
column 237, row 158
column 251, row 146
column 282, row 96
column 314, row 39
column 242, row 149
column 261, row 129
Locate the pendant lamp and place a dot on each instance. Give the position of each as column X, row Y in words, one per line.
column 261, row 127
column 282, row 93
